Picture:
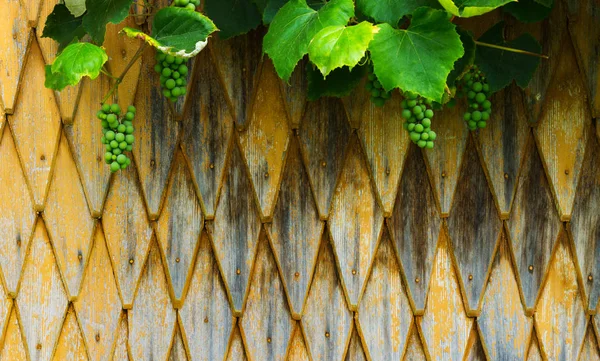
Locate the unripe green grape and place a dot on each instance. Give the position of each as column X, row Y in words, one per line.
column 406, row 114
column 429, row 144
column 103, row 140
column 129, row 129
column 411, row 127
column 115, row 108
column 426, row 122
column 161, row 56
column 376, row 84
column 117, row 151
column 129, row 116
column 481, row 124
column 477, row 87
column 480, row 97
column 121, row 158
column 467, row 116
column 167, row 93
column 104, row 124
column 123, row 166
column 432, row 135
column 182, row 91
column 422, row 143
column 170, row 84
column 158, row 68
column 120, row 137
column 411, row 103
column 110, row 135
column 420, row 116
column 166, row 72
column 375, row 93
column 471, row 94
column 486, row 104
column 424, row 135
column 108, row 156
column 429, row 113
column 419, row 128
column 472, row 124
column 386, row 95
column 191, row 7
column 182, row 69
column 121, row 128
column 129, row 148
column 108, row 148
column 176, row 92
column 411, row 95
column 170, row 58
column 114, row 144
column 111, row 118
column 123, row 144
column 114, row 166
column 131, row 109
column 100, row 115
column 165, row 64
column 175, row 75
column 414, row 136
column 129, row 139
column 485, row 116
column 417, row 110
column 476, row 116
column 128, row 161
column 105, row 108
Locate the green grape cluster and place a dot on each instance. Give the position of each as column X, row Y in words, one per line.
column 188, row 4
column 418, row 113
column 172, row 72
column 474, row 86
column 118, row 135
column 378, row 95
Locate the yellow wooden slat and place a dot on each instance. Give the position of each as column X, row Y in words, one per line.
column 414, row 348
column 534, row 353
column 355, row 350
column 177, row 349
column 121, row 348
column 236, row 349
column 297, row 350
column 590, row 350
column 295, row 93
column 5, row 310
column 70, row 344
column 475, row 350
column 13, row 348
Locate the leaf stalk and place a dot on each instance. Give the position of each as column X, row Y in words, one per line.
column 513, row 50
column 123, row 73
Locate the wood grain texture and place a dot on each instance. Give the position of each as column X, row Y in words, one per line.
column 415, row 227
column 296, row 230
column 98, row 305
column 152, row 320
column 384, row 314
column 324, row 135
column 297, row 350
column 36, row 126
column 17, row 218
column 239, row 63
column 42, row 300
column 590, row 350
column 534, row 354
column 385, row 142
column 355, row 350
column 158, row 134
column 504, row 328
column 502, row 145
column 177, row 352
column 266, row 139
column 475, row 350
column 121, row 351
column 69, row 224
column 445, row 326
column 206, row 318
column 15, row 37
column 563, row 130
column 585, row 224
column 84, row 137
column 560, row 315
column 474, row 227
column 295, row 93
column 236, row 229
column 179, row 226
column 207, row 128
column 70, row 345
column 267, row 324
column 327, row 321
column 5, row 310
column 355, row 223
column 13, row 348
column 414, row 347
column 236, row 349
column 533, row 225
column 127, row 232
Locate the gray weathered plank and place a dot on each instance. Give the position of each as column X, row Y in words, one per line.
column 297, row 349
column 355, row 350
column 590, row 350
column 414, row 348
column 475, row 350
column 177, row 348
column 13, row 347
column 237, row 351
column 295, row 93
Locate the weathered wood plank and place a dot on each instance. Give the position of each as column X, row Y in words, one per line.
column 415, row 227
column 17, row 217
column 590, row 350
column 266, row 139
column 98, row 305
column 127, row 232
column 560, row 315
column 327, row 321
column 5, row 310
column 68, row 221
column 355, row 350
column 295, row 93
column 152, row 320
column 267, row 324
column 384, row 314
column 178, row 349
column 414, row 348
column 70, row 345
column 157, row 135
column 36, row 126
column 445, row 326
column 236, row 230
column 297, row 349
column 121, row 352
column 475, row 350
column 207, row 128
column 585, row 224
column 324, row 135
column 533, row 225
column 474, row 227
column 179, row 226
column 296, row 230
column 42, row 300
column 206, row 319
column 534, row 354
column 502, row 313
column 236, row 350
column 13, row 348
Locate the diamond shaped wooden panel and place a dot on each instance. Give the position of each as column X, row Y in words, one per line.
column 70, row 344
column 13, row 348
column 590, row 350
column 177, row 347
column 414, row 347
column 236, row 348
column 297, row 349
column 355, row 350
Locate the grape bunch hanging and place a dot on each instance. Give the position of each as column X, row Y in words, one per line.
column 474, row 86
column 118, row 135
column 188, row 4
column 378, row 95
column 418, row 113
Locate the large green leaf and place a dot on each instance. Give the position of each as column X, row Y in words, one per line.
column 463, row 64
column 73, row 63
column 391, row 11
column 233, row 17
column 339, row 83
column 100, row 13
column 337, row 46
column 528, row 11
column 419, row 58
column 294, row 27
column 76, row 7
column 469, row 8
column 269, row 8
column 177, row 31
column 62, row 26
column 546, row 3
column 501, row 67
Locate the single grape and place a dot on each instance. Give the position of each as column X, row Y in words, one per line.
column 426, row 122
column 182, row 69
column 419, row 128
column 111, row 118
column 167, row 93
column 170, row 58
column 417, row 110
column 166, row 72
column 129, row 139
column 105, row 108
column 414, row 136
column 467, row 116
column 129, row 148
column 114, row 166
column 129, row 115
column 131, row 109
column 411, row 127
column 486, row 105
column 176, row 92
column 175, row 75
column 421, row 143
column 108, row 156
column 406, row 114
column 121, row 158
column 191, row 7
column 429, row 113
column 117, row 151
column 476, row 115
column 480, row 97
column 424, row 135
column 114, row 144
column 115, row 109
column 481, row 124
column 123, row 145
column 110, row 135
column 120, row 137
column 477, row 87
column 170, row 84
column 411, row 103
column 129, row 129
column 429, row 144
column 104, row 124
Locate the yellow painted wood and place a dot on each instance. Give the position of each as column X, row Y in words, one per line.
column 266, row 139
column 42, row 300
column 355, row 350
column 36, row 126
column 236, row 349
column 33, row 11
column 69, row 224
column 17, row 217
column 152, row 320
column 297, row 349
column 70, row 344
column 414, row 347
column 534, row 354
column 121, row 348
column 475, row 350
column 13, row 348
column 98, row 305
column 590, row 350
column 295, row 93
column 177, row 349
column 5, row 310
column 14, row 42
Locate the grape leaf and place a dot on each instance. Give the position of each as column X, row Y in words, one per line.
column 101, row 12
column 269, row 8
column 295, row 25
column 463, row 64
column 501, row 67
column 338, row 45
column 469, row 8
column 233, row 17
column 76, row 7
column 177, row 31
column 528, row 11
column 62, row 26
column 546, row 3
column 391, row 11
column 339, row 83
column 419, row 58
column 73, row 63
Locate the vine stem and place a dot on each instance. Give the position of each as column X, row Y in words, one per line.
column 518, row 51
column 124, row 72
